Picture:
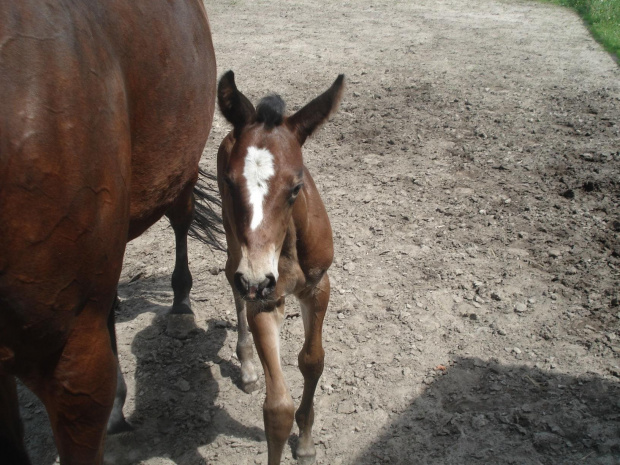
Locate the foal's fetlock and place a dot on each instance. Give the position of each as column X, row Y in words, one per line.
column 249, row 377
column 306, row 455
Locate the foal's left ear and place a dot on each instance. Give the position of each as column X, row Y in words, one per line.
column 235, row 106
column 309, row 118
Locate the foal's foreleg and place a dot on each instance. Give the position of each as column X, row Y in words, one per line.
column 181, row 215
column 278, row 408
column 313, row 307
column 245, row 351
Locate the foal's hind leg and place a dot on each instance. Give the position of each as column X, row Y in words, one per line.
column 313, row 307
column 181, row 215
column 11, row 431
column 78, row 392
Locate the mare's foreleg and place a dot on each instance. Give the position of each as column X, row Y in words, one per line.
column 12, row 448
column 278, row 409
column 78, row 392
column 313, row 307
column 117, row 422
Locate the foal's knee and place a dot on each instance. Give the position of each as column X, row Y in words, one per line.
column 279, row 413
column 311, row 365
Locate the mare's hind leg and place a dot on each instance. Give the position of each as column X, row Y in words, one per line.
column 313, row 307
column 181, row 215
column 78, row 392
column 11, row 430
column 117, row 423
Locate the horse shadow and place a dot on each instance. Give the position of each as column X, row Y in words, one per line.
column 177, row 382
column 482, row 412
column 175, row 409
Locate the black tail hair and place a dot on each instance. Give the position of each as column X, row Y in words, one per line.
column 207, row 224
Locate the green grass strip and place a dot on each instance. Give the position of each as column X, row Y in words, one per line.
column 602, row 18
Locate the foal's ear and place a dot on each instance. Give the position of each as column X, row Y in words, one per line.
column 235, row 106
column 305, row 121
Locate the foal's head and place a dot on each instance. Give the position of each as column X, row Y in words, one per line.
column 264, row 177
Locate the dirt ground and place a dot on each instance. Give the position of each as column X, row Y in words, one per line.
column 472, row 179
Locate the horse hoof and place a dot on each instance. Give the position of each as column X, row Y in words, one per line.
column 306, row 459
column 181, row 309
column 181, row 326
column 119, row 426
column 249, row 388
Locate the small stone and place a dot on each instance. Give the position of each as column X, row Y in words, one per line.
column 214, row 270
column 520, row 307
column 496, row 296
column 568, row 194
column 554, row 253
column 346, row 407
column 516, row 350
column 350, row 267
column 501, row 332
column 183, row 385
column 479, row 421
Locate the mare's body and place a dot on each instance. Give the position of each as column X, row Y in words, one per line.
column 105, row 107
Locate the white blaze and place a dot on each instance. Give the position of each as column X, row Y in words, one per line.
column 258, row 169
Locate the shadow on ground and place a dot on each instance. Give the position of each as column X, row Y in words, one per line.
column 479, row 412
column 177, row 383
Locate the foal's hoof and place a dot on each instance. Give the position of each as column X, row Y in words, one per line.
column 249, row 378
column 181, row 326
column 249, row 388
column 306, row 459
column 306, row 455
column 118, row 426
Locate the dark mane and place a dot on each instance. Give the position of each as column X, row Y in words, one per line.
column 270, row 111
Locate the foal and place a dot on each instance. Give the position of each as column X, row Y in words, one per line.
column 279, row 243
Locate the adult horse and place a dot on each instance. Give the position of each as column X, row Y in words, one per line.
column 105, row 108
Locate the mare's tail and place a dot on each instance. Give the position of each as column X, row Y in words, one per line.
column 207, row 224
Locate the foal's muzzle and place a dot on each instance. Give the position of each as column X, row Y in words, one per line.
column 255, row 289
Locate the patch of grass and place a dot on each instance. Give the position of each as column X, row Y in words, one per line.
column 603, row 19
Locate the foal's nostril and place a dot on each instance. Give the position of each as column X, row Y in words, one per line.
column 241, row 283
column 268, row 285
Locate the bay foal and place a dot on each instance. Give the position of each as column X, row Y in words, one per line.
column 279, row 243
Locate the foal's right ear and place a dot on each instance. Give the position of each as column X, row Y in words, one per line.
column 235, row 106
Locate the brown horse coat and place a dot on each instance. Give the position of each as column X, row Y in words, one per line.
column 105, row 107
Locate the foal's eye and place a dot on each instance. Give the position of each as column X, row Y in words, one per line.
column 295, row 191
